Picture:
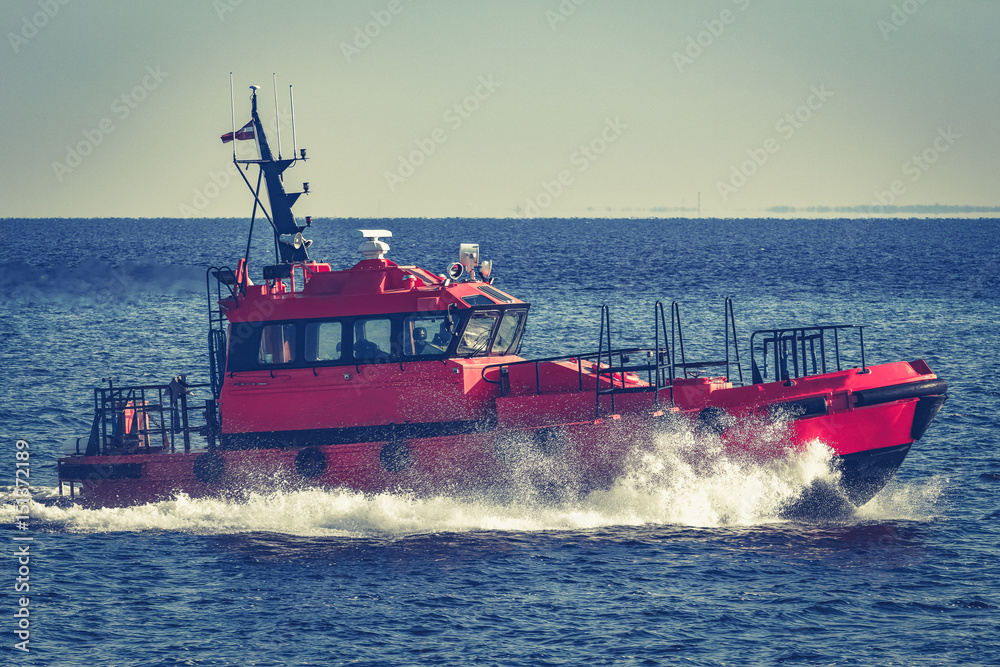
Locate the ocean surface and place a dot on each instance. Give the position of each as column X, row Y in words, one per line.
column 679, row 563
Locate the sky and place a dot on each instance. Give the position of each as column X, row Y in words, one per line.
column 467, row 108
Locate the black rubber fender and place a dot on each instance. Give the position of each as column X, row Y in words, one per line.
column 800, row 409
column 395, row 457
column 508, row 445
column 898, row 392
column 550, row 441
column 713, row 420
column 310, row 462
column 209, row 468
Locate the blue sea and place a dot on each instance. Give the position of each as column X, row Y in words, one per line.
column 681, row 562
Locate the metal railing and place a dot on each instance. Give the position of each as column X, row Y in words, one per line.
column 800, row 351
column 661, row 364
column 796, row 352
column 217, row 322
column 148, row 418
column 691, row 368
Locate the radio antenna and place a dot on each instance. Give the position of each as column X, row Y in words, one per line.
column 277, row 119
column 232, row 110
column 291, row 106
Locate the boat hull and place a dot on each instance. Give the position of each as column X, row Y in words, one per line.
column 868, row 445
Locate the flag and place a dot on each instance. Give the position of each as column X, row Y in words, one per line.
column 245, row 132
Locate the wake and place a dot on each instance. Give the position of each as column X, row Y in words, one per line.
column 682, row 480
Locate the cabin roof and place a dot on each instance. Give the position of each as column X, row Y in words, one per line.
column 372, row 286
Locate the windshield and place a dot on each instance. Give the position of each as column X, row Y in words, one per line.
column 477, row 332
column 506, row 339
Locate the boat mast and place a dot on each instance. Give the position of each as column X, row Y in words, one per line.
column 289, row 244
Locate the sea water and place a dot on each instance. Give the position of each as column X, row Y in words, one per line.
column 685, row 559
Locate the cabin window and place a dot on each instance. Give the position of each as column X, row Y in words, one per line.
column 277, row 344
column 477, row 300
column 506, row 339
column 372, row 338
column 425, row 335
column 323, row 341
column 476, row 336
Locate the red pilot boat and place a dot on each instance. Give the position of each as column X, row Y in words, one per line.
column 384, row 377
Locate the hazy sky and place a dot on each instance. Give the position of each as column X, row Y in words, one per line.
column 474, row 108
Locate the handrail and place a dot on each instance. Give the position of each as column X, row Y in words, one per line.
column 660, row 321
column 800, row 344
column 605, row 331
column 578, row 358
column 127, row 417
column 217, row 338
column 728, row 328
column 662, row 370
column 675, row 318
column 730, row 315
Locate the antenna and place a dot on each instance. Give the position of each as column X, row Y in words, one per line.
column 291, row 105
column 232, row 110
column 277, row 118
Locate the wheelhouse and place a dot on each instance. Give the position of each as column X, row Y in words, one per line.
column 493, row 330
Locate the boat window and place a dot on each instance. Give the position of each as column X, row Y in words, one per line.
column 506, row 339
column 277, row 344
column 323, row 341
column 372, row 338
column 477, row 300
column 476, row 337
column 425, row 335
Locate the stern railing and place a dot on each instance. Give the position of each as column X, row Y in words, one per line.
column 149, row 418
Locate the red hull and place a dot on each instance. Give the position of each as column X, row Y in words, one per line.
column 548, row 425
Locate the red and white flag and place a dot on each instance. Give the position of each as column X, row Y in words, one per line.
column 245, row 132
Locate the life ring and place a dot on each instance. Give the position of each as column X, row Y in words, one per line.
column 395, row 457
column 310, row 462
column 209, row 468
column 712, row 421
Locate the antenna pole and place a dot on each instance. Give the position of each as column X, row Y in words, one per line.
column 291, row 105
column 277, row 118
column 232, row 109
